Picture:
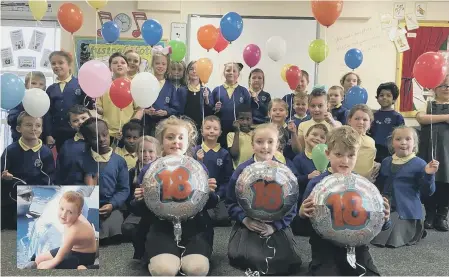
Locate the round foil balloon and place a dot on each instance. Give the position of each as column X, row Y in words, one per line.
column 348, row 210
column 267, row 191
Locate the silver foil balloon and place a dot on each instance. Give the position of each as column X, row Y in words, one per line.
column 176, row 188
column 267, row 191
column 348, row 211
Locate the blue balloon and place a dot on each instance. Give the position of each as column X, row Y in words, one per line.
column 110, row 31
column 353, row 58
column 152, row 32
column 355, row 95
column 13, row 91
column 231, row 26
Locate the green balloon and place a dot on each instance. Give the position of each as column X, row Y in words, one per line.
column 178, row 50
column 318, row 50
column 319, row 157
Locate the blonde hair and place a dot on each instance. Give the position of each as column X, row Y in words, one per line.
column 344, row 137
column 339, row 88
column 403, row 127
column 33, row 75
column 318, row 126
column 159, row 54
column 361, row 107
column 184, row 122
column 150, row 139
column 135, row 52
column 277, row 101
column 301, row 96
column 271, row 126
column 75, row 198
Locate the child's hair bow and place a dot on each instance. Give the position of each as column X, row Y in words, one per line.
column 159, row 49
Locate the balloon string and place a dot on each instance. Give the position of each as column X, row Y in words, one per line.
column 143, row 137
column 432, row 145
column 96, row 129
column 74, row 52
column 291, row 106
column 249, row 272
column 364, row 269
column 96, row 28
column 182, row 255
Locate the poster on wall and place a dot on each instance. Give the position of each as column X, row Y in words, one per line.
column 399, row 10
column 17, row 41
column 26, row 62
column 37, row 41
column 7, row 57
column 45, row 60
column 420, row 10
column 87, row 49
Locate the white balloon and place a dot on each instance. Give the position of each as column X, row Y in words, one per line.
column 36, row 102
column 276, row 48
column 145, row 89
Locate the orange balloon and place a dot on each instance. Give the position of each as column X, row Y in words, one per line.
column 70, row 17
column 207, row 36
column 326, row 12
column 204, row 69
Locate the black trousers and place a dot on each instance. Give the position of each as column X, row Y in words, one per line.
column 439, row 200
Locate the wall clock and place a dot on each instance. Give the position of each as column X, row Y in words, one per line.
column 123, row 22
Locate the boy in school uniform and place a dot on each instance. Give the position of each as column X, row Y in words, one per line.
column 219, row 164
column 335, row 97
column 132, row 131
column 71, row 147
column 239, row 141
column 385, row 119
column 301, row 108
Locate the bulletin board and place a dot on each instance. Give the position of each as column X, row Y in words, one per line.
column 88, row 48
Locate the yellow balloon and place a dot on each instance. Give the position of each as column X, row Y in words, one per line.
column 318, row 50
column 38, row 8
column 97, row 4
column 284, row 71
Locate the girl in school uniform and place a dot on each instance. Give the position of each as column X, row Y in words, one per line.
column 404, row 178
column 436, row 118
column 176, row 74
column 178, row 137
column 247, row 247
column 64, row 93
column 134, row 61
column 101, row 166
column 277, row 111
column 259, row 98
column 227, row 97
column 301, row 89
column 165, row 104
column 348, row 81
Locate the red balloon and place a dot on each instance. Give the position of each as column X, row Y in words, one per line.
column 293, row 76
column 70, row 17
column 222, row 43
column 120, row 93
column 430, row 69
column 326, row 12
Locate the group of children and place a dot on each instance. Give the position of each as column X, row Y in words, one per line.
column 238, row 127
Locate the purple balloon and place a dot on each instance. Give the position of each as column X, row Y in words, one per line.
column 251, row 55
column 94, row 78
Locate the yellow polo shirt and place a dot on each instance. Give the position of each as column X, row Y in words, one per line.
column 230, row 88
column 130, row 158
column 26, row 147
column 62, row 83
column 245, row 147
column 365, row 158
column 305, row 126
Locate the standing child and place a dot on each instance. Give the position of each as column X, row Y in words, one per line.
column 178, row 137
column 349, row 80
column 115, row 117
column 335, row 96
column 259, row 98
column 176, row 74
column 239, row 141
column 405, row 178
column 34, row 79
column 134, row 61
column 278, row 114
column 327, row 258
column 72, row 147
column 301, row 89
column 64, row 94
column 433, row 145
column 227, row 97
column 165, row 104
column 247, row 247
column 219, row 164
column 132, row 131
column 301, row 107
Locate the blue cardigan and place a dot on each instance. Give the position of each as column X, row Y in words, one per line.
column 408, row 184
column 260, row 108
column 166, row 100
column 304, row 166
column 65, row 163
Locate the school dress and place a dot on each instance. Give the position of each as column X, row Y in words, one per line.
column 404, row 184
column 340, row 113
column 197, row 233
column 66, row 158
column 260, row 107
column 247, row 249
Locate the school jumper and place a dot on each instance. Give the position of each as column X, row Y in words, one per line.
column 247, row 250
column 381, row 129
column 403, row 186
column 330, row 259
column 197, row 232
column 260, row 108
column 66, row 158
column 57, row 118
column 340, row 113
column 298, row 120
column 288, row 98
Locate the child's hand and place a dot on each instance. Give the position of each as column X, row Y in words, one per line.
column 307, row 207
column 91, row 180
column 254, row 225
column 119, row 135
column 386, row 209
column 105, row 210
column 150, row 111
column 161, row 113
column 138, row 193
column 329, row 118
column 313, row 174
column 206, row 95
column 236, row 126
column 200, row 154
column 292, row 127
column 217, row 106
column 50, row 141
column 6, row 175
column 268, row 231
column 212, row 184
column 374, row 172
column 432, row 167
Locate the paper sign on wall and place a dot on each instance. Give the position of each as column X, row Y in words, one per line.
column 399, row 10
column 411, row 21
column 401, row 43
column 37, row 41
column 17, row 41
column 7, row 57
column 45, row 60
column 178, row 31
column 387, row 21
column 26, row 62
column 420, row 9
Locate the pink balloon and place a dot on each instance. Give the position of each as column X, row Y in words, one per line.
column 94, row 78
column 251, row 55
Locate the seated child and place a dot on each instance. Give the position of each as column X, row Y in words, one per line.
column 328, row 258
column 164, row 255
column 239, row 141
column 132, row 131
column 79, row 246
column 247, row 243
column 335, row 96
column 404, row 178
column 219, row 164
column 71, row 147
column 134, row 228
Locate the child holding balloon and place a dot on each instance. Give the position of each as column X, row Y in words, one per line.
column 247, row 243
column 300, row 89
column 328, row 258
column 227, row 97
column 259, row 98
column 404, row 178
column 177, row 136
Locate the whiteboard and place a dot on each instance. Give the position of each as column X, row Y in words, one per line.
column 297, row 32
